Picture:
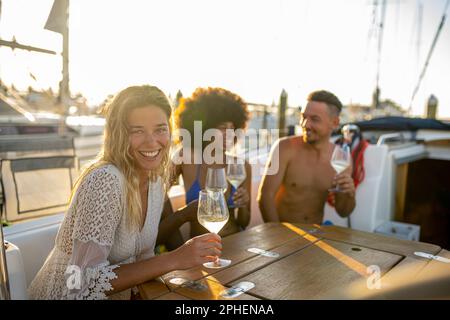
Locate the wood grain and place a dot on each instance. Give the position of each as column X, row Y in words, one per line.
column 253, row 264
column 315, row 262
column 377, row 241
column 319, row 271
column 211, row 291
column 152, row 289
column 414, row 279
column 172, row 296
column 266, row 236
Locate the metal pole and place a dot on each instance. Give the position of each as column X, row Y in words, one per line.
column 4, row 281
column 15, row 45
column 422, row 74
column 282, row 113
column 64, row 92
column 380, row 44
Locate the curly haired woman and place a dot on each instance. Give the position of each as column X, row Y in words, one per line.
column 214, row 108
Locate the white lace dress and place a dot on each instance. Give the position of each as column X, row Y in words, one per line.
column 94, row 240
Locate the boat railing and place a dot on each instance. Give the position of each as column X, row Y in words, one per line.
column 390, row 136
column 4, row 282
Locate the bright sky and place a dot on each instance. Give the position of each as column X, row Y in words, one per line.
column 253, row 47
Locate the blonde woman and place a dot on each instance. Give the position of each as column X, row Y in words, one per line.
column 105, row 245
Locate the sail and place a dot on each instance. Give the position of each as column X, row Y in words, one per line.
column 57, row 18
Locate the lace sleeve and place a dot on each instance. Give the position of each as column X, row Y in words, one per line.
column 99, row 208
column 89, row 272
column 98, row 213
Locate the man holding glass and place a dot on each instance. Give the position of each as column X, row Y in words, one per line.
column 310, row 167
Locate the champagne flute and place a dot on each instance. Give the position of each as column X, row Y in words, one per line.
column 340, row 160
column 236, row 175
column 213, row 215
column 216, row 181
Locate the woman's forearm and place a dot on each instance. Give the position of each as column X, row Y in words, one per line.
column 243, row 218
column 171, row 224
column 133, row 274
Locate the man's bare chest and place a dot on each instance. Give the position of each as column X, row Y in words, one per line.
column 307, row 172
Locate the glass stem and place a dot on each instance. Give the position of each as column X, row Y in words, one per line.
column 217, row 262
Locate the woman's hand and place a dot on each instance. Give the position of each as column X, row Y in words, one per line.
column 241, row 197
column 198, row 250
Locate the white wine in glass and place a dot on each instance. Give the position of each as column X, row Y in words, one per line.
column 340, row 160
column 213, row 215
column 339, row 165
column 236, row 176
column 216, row 180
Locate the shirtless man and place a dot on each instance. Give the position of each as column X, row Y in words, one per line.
column 298, row 191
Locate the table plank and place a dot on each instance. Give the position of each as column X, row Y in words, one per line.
column 266, row 236
column 413, row 279
column 172, row 296
column 318, row 271
column 401, row 273
column 374, row 240
column 253, row 264
column 436, row 278
column 315, row 262
column 153, row 289
column 209, row 290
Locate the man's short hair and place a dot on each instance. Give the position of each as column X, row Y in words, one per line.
column 333, row 103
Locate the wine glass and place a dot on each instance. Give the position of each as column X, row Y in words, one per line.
column 213, row 214
column 236, row 174
column 216, row 181
column 340, row 160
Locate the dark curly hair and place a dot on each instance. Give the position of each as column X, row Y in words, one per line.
column 211, row 106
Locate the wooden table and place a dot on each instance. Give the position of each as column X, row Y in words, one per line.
column 314, row 262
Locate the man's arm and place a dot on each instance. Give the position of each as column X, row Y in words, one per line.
column 345, row 198
column 271, row 181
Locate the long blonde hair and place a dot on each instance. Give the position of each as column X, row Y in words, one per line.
column 116, row 146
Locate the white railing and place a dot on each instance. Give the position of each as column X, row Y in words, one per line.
column 4, row 277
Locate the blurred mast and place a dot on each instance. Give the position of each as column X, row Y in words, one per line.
column 430, row 52
column 376, row 94
column 419, row 30
column 58, row 21
column 282, row 113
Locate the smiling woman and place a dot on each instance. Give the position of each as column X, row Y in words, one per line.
column 149, row 136
column 105, row 246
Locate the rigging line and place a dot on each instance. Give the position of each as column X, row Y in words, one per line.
column 376, row 94
column 397, row 18
column 430, row 52
column 414, row 27
column 380, row 40
column 419, row 31
column 370, row 33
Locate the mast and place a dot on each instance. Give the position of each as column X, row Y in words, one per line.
column 419, row 30
column 58, row 21
column 430, row 52
column 16, row 45
column 65, row 90
column 376, row 94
